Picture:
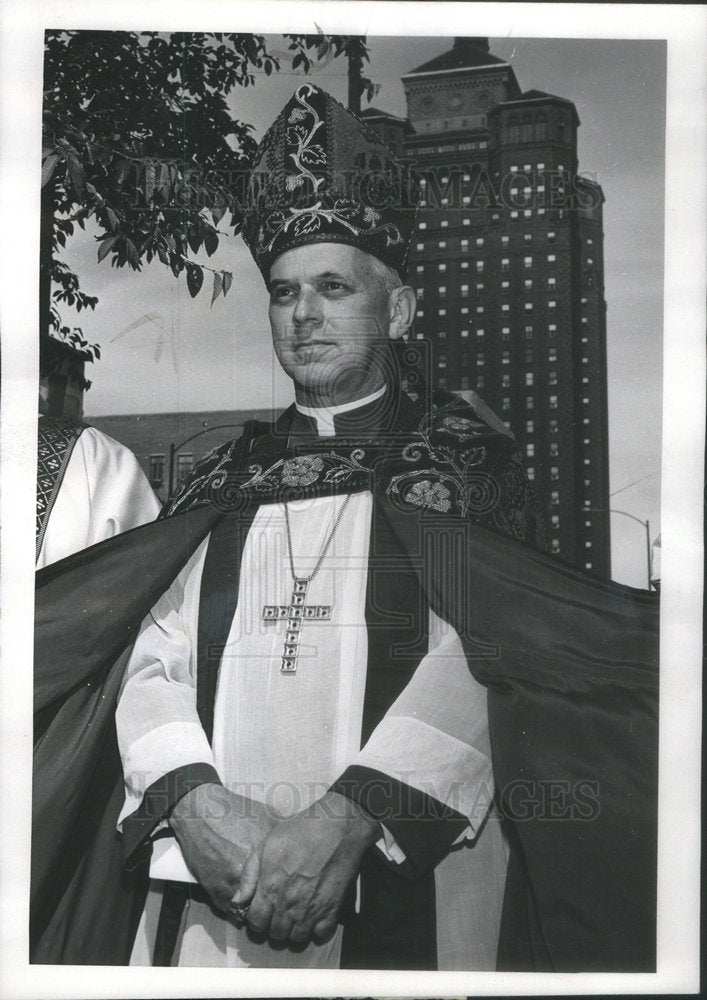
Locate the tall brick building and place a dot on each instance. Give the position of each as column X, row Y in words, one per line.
column 508, row 267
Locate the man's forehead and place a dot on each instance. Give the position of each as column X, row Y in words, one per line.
column 318, row 259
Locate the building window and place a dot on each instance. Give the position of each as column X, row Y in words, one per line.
column 465, row 382
column 555, row 520
column 480, row 242
column 552, row 377
column 441, row 267
column 422, row 225
column 442, row 381
column 553, row 427
column 531, row 473
column 505, row 358
column 551, row 258
column 464, row 310
column 506, row 404
column 554, row 472
column 528, row 331
column 442, row 334
column 185, row 462
column 528, row 306
column 441, row 312
column 528, row 283
column 505, row 264
column 479, row 359
column 528, row 378
column 420, row 313
column 527, row 213
column 466, row 222
column 419, row 336
column 156, row 470
column 466, row 200
column 555, row 545
column 554, row 498
column 442, row 289
column 505, row 284
column 465, row 244
column 552, row 305
column 504, row 241
column 442, row 244
column 527, row 262
column 480, row 332
column 505, row 381
column 551, row 237
column 442, row 363
column 552, row 354
column 465, row 333
column 420, row 246
column 505, row 332
column 551, row 283
column 590, row 241
column 479, row 266
column 528, row 237
column 514, row 166
column 479, row 286
column 464, row 265
column 529, row 403
column 479, row 309
column 479, row 381
column 514, row 214
column 420, row 268
column 552, row 329
column 529, row 426
column 553, row 402
column 464, row 289
column 530, row 449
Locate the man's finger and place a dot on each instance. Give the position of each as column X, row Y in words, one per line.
column 249, row 880
column 324, row 929
column 259, row 913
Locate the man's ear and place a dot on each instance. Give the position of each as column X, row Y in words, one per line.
column 403, row 302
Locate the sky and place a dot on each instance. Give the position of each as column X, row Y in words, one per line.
column 163, row 351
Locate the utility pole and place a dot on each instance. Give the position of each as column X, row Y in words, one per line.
column 354, row 52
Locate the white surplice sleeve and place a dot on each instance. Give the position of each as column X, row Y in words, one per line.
column 103, row 493
column 425, row 772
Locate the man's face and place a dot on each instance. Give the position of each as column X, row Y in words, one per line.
column 330, row 320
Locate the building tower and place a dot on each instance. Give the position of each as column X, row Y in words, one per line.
column 508, row 268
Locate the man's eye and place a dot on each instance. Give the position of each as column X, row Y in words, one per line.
column 281, row 294
column 334, row 286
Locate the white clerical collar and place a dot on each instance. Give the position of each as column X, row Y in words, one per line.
column 324, row 415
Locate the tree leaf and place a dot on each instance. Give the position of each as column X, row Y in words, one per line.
column 227, row 282
column 194, row 239
column 106, row 246
column 210, row 241
column 218, row 286
column 77, row 176
column 149, row 181
column 112, row 219
column 195, row 279
column 48, row 167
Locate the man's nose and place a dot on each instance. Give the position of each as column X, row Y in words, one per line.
column 307, row 312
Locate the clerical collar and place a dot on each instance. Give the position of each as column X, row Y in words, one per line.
column 324, row 415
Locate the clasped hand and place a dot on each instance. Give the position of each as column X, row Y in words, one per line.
column 295, row 877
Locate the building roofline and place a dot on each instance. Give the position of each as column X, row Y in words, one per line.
column 458, row 69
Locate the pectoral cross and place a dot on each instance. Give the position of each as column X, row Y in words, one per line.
column 295, row 612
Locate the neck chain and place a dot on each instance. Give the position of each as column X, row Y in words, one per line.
column 308, row 579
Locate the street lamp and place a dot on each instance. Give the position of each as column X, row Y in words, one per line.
column 646, row 525
column 174, row 448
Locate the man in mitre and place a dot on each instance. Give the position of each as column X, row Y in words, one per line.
column 332, row 805
column 366, row 722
